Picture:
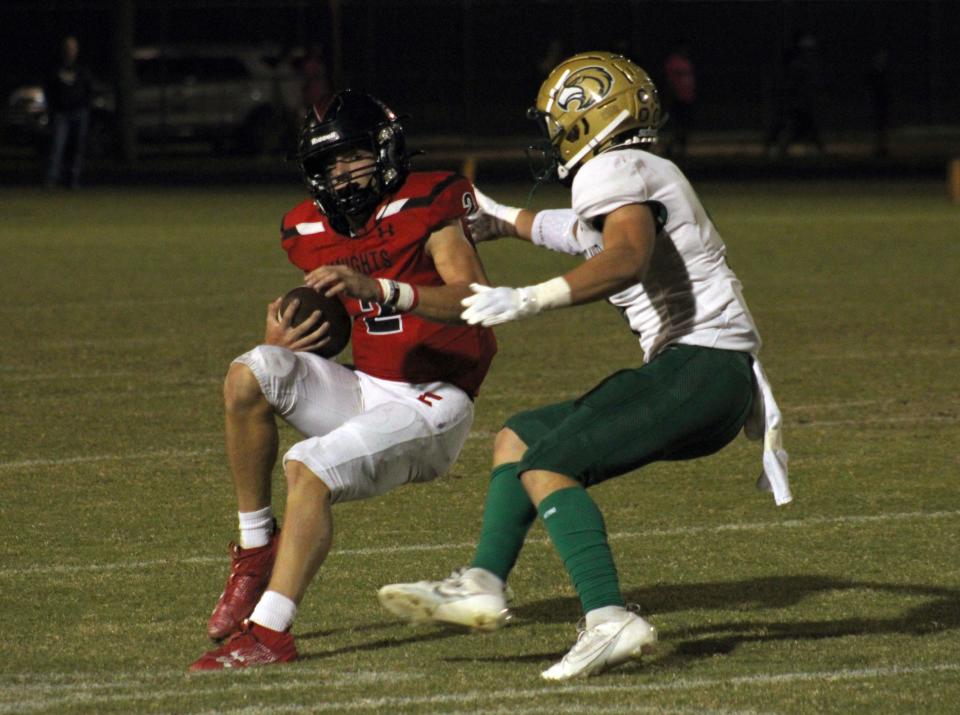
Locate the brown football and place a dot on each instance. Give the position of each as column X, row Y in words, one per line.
column 332, row 311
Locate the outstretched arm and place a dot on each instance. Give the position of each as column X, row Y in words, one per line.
column 492, row 220
column 629, row 233
column 459, row 265
column 555, row 229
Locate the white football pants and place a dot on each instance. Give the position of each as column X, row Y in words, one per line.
column 365, row 435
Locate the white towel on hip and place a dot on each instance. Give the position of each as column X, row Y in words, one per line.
column 765, row 421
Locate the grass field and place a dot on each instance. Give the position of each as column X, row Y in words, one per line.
column 122, row 308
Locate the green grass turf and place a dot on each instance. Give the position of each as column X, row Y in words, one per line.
column 122, row 309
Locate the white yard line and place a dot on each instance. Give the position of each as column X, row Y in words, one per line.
column 681, row 531
column 56, row 683
column 37, row 698
column 477, row 434
column 841, row 404
column 471, row 698
column 99, row 375
column 886, row 355
column 386, row 704
column 875, row 421
column 857, row 218
column 155, row 454
column 788, row 524
column 482, row 434
column 590, row 708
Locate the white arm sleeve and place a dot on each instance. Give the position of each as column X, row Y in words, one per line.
column 553, row 229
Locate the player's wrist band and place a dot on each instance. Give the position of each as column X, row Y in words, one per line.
column 506, row 213
column 399, row 296
column 554, row 293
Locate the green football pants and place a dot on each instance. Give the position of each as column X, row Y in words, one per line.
column 687, row 402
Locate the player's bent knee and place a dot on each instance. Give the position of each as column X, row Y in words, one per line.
column 263, row 375
column 241, row 389
column 539, row 484
column 508, row 447
column 299, row 474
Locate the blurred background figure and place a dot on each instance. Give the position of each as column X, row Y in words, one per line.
column 798, row 99
column 69, row 93
column 680, row 96
column 878, row 84
column 551, row 56
column 316, row 80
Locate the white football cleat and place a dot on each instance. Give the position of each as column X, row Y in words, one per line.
column 604, row 646
column 473, row 598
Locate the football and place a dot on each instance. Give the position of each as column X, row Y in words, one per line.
column 332, row 311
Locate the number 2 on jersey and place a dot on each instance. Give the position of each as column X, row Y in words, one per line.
column 383, row 320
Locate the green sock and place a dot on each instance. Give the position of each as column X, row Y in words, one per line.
column 577, row 530
column 507, row 516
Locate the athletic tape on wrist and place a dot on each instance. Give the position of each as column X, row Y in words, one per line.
column 500, row 212
column 507, row 213
column 397, row 295
column 554, row 293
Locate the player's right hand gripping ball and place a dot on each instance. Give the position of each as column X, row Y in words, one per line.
column 332, row 311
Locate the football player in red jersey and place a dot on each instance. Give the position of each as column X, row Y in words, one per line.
column 392, row 245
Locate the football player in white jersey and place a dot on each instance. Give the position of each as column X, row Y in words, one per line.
column 652, row 251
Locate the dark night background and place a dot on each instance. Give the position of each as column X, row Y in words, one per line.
column 469, row 68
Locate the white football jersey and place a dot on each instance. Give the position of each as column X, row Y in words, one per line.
column 689, row 295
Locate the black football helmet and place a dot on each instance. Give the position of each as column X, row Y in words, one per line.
column 352, row 120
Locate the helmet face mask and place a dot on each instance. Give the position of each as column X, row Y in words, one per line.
column 337, row 190
column 588, row 104
column 543, row 156
column 359, row 131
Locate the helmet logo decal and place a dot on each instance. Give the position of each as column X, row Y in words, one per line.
column 584, row 88
column 324, row 137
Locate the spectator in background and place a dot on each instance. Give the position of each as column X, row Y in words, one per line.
column 879, row 87
column 69, row 93
column 316, row 80
column 681, row 86
column 551, row 56
column 798, row 99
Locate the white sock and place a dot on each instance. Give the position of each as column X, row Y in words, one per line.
column 274, row 611
column 607, row 613
column 256, row 527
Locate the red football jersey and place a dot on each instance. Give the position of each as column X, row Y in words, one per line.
column 386, row 344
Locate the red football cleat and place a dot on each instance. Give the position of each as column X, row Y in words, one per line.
column 249, row 575
column 253, row 645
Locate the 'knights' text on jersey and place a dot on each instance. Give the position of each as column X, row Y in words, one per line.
column 389, row 345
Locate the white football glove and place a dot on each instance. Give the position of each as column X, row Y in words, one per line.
column 492, row 306
column 491, row 220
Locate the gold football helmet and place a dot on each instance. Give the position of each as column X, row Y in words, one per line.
column 589, row 103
